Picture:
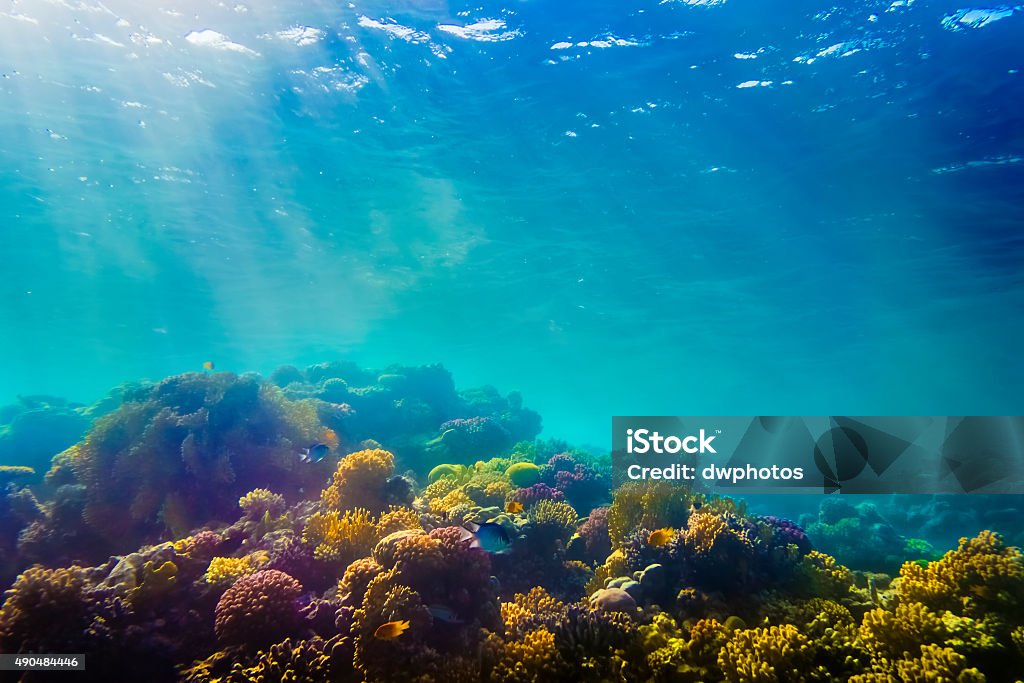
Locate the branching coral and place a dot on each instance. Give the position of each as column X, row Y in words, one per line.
column 338, row 537
column 894, row 634
column 259, row 503
column 981, row 575
column 258, row 609
column 672, row 655
column 646, row 505
column 777, row 653
column 523, row 612
column 223, row 571
column 289, row 661
column 937, row 665
column 553, row 519
column 825, row 577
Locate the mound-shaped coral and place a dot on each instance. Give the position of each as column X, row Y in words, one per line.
column 184, row 452
column 258, row 609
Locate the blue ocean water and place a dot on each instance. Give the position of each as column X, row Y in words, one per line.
column 690, row 206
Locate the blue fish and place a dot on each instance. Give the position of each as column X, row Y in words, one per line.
column 315, row 453
column 490, row 537
column 445, row 614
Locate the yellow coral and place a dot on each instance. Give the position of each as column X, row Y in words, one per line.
column 1017, row 638
column 359, row 481
column 937, row 665
column 765, row 655
column 339, row 537
column 672, row 656
column 456, row 498
column 223, row 571
column 981, row 575
column 440, row 488
column 614, row 565
column 703, row 529
column 827, row 578
column 44, row 609
column 357, row 577
column 530, row 660
column 525, row 607
column 893, row 634
column 259, row 502
column 396, row 519
column 555, row 514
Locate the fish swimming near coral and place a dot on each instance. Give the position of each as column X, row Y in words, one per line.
column 208, row 366
column 391, row 630
column 445, row 614
column 439, row 442
column 315, row 453
column 514, row 507
column 658, row 538
column 489, row 536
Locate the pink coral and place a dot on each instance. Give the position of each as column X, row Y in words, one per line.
column 258, row 609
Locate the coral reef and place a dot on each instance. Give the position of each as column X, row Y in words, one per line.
column 436, row 541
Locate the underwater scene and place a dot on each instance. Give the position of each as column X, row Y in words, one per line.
column 314, row 317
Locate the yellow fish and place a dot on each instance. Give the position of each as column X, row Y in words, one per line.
column 514, row 507
column 208, row 365
column 391, row 629
column 660, row 537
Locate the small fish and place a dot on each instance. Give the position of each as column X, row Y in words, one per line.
column 694, row 506
column 208, row 366
column 315, row 453
column 444, row 614
column 514, row 507
column 658, row 538
column 982, row 591
column 490, row 537
column 391, row 630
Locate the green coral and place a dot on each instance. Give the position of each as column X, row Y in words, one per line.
column 523, row 474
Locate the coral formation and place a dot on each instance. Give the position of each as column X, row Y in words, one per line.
column 258, row 609
column 436, row 541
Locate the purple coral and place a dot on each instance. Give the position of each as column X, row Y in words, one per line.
column 582, row 484
column 204, row 545
column 594, row 533
column 536, row 493
column 785, row 533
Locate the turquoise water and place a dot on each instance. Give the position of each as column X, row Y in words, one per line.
column 682, row 207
